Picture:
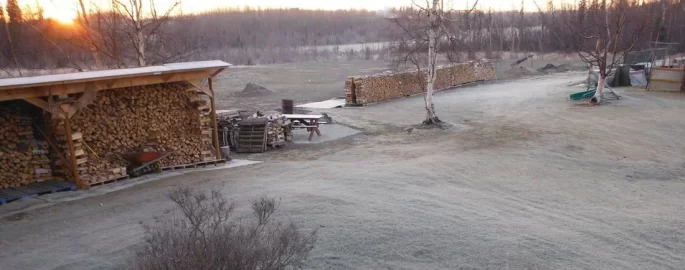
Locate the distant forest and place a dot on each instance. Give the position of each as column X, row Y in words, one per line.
column 120, row 36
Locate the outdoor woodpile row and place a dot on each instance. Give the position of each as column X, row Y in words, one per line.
column 165, row 117
column 23, row 158
column 486, row 71
column 386, row 86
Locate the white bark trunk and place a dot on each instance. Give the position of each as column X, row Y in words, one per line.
column 600, row 87
column 141, row 47
column 431, row 118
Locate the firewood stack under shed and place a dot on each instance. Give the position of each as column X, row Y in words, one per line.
column 121, row 121
column 92, row 127
column 23, row 155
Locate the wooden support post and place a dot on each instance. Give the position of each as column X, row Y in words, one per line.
column 215, row 125
column 72, row 154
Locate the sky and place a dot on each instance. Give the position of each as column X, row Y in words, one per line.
column 66, row 9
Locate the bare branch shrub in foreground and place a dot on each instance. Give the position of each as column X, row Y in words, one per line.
column 207, row 235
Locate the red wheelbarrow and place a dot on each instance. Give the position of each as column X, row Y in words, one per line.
column 141, row 162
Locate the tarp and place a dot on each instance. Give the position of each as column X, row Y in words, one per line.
column 638, row 78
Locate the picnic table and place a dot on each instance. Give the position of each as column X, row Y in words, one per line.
column 308, row 121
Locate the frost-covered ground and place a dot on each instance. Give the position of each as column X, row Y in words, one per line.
column 524, row 179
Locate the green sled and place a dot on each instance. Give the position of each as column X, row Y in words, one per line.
column 583, row 95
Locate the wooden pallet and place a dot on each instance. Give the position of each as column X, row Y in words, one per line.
column 8, row 195
column 252, row 137
column 37, row 188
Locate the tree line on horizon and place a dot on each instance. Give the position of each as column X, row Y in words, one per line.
column 121, row 36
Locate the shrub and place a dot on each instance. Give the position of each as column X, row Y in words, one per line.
column 208, row 236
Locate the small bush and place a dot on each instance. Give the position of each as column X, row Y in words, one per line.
column 208, row 236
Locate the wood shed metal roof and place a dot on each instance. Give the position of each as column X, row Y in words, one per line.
column 70, row 83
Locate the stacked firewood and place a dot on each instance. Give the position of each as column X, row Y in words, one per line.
column 42, row 170
column 228, row 118
column 102, row 169
column 93, row 168
column 15, row 169
column 23, row 158
column 386, row 86
column 350, row 93
column 278, row 130
column 125, row 120
column 14, row 127
column 486, row 70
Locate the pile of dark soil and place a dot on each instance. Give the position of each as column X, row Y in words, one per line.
column 517, row 72
column 254, row 90
column 550, row 68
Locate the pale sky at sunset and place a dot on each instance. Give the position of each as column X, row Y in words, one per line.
column 65, row 9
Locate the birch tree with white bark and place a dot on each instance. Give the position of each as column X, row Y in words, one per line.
column 602, row 42
column 424, row 28
column 127, row 31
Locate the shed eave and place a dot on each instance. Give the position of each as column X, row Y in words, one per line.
column 60, row 84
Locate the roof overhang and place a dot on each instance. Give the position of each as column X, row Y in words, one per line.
column 71, row 83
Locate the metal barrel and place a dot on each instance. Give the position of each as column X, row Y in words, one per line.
column 287, row 106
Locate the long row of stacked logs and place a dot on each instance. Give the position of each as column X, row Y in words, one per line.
column 23, row 158
column 164, row 117
column 385, row 86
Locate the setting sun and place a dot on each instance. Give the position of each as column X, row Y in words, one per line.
column 61, row 14
column 64, row 18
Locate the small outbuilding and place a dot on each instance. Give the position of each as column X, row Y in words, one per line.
column 667, row 79
column 83, row 127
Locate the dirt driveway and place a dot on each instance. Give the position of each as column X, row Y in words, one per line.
column 525, row 179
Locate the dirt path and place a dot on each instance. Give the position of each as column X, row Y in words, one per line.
column 525, row 179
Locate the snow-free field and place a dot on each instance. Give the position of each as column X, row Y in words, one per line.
column 524, row 179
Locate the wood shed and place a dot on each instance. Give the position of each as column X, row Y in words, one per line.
column 667, row 79
column 80, row 127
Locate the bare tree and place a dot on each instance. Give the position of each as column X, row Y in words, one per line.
column 423, row 36
column 104, row 37
column 143, row 23
column 132, row 26
column 601, row 39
